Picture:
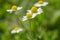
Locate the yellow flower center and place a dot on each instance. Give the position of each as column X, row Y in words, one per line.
column 28, row 15
column 14, row 7
column 16, row 28
column 40, row 2
column 34, row 9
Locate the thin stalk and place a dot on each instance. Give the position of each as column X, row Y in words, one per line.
column 30, row 24
column 0, row 36
column 30, row 32
column 19, row 21
column 16, row 37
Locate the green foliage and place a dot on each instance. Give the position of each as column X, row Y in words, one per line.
column 45, row 26
column 3, row 28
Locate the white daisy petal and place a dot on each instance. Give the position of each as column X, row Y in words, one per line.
column 18, row 8
column 9, row 10
column 16, row 31
column 19, row 30
column 38, row 5
column 13, row 31
column 33, row 15
column 29, row 11
column 39, row 11
column 45, row 3
column 24, row 18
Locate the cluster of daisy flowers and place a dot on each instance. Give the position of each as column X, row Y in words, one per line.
column 35, row 10
column 32, row 13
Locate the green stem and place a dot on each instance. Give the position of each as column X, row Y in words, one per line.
column 31, row 35
column 30, row 24
column 19, row 21
column 16, row 37
column 0, row 36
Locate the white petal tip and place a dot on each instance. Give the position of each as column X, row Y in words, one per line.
column 9, row 11
column 39, row 5
column 19, row 8
column 24, row 18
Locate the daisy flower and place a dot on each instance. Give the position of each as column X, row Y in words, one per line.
column 32, row 13
column 14, row 8
column 40, row 3
column 28, row 16
column 35, row 10
column 16, row 30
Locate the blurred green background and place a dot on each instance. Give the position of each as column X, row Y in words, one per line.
column 45, row 26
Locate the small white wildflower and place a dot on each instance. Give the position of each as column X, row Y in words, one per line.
column 14, row 8
column 16, row 30
column 28, row 16
column 39, row 11
column 40, row 3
